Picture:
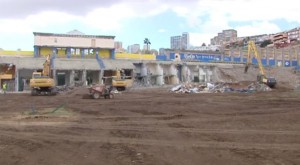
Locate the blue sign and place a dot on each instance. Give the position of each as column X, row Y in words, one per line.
column 287, row 63
column 272, row 62
column 294, row 63
column 237, row 59
column 161, row 57
column 227, row 59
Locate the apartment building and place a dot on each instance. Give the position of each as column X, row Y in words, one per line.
column 226, row 36
column 135, row 48
column 180, row 42
column 280, row 38
column 294, row 34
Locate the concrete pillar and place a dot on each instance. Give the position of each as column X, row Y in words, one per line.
column 82, row 53
column 101, row 73
column 16, row 80
column 143, row 70
column 209, row 74
column 159, row 79
column 83, row 78
column 54, row 76
column 202, row 74
column 71, row 78
column 186, row 74
column 241, row 54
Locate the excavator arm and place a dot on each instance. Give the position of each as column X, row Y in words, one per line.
column 252, row 47
column 47, row 67
column 262, row 76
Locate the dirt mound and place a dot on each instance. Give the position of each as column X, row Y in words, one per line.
column 286, row 78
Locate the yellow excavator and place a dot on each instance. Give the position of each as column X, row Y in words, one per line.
column 117, row 80
column 42, row 82
column 261, row 77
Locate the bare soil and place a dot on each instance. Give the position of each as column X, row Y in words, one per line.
column 151, row 126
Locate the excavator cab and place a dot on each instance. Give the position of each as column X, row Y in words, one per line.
column 269, row 81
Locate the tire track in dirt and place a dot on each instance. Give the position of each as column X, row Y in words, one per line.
column 153, row 142
column 151, row 127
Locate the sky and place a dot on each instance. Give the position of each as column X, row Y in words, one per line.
column 131, row 21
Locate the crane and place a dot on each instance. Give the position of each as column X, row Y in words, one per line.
column 261, row 77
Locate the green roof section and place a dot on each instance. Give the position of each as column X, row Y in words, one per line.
column 74, row 33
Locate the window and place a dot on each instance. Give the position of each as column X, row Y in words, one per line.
column 91, row 51
column 77, row 52
column 72, row 51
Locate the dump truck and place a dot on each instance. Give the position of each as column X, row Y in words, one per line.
column 101, row 90
column 42, row 82
column 261, row 77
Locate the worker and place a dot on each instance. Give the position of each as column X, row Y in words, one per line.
column 4, row 87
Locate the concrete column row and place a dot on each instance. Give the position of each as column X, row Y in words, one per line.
column 180, row 74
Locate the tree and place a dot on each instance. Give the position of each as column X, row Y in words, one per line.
column 147, row 42
column 203, row 44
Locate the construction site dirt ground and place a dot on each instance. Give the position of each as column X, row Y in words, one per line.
column 151, row 126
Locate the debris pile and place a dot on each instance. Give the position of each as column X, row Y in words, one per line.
column 219, row 88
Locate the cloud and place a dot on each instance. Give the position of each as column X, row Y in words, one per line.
column 256, row 28
column 108, row 19
column 197, row 39
column 23, row 8
column 162, row 30
column 202, row 18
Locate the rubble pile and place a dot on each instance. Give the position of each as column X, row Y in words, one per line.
column 65, row 88
column 219, row 88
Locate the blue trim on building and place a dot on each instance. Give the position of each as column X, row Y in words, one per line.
column 97, row 53
column 161, row 58
column 68, row 52
column 54, row 50
column 36, row 51
column 99, row 60
column 112, row 54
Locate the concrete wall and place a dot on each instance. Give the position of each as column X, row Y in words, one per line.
column 69, row 41
column 24, row 78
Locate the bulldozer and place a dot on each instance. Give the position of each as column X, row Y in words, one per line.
column 261, row 77
column 42, row 82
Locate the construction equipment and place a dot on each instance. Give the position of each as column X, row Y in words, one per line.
column 101, row 90
column 42, row 82
column 261, row 77
column 116, row 80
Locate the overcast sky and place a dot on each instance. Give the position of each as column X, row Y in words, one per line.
column 133, row 20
